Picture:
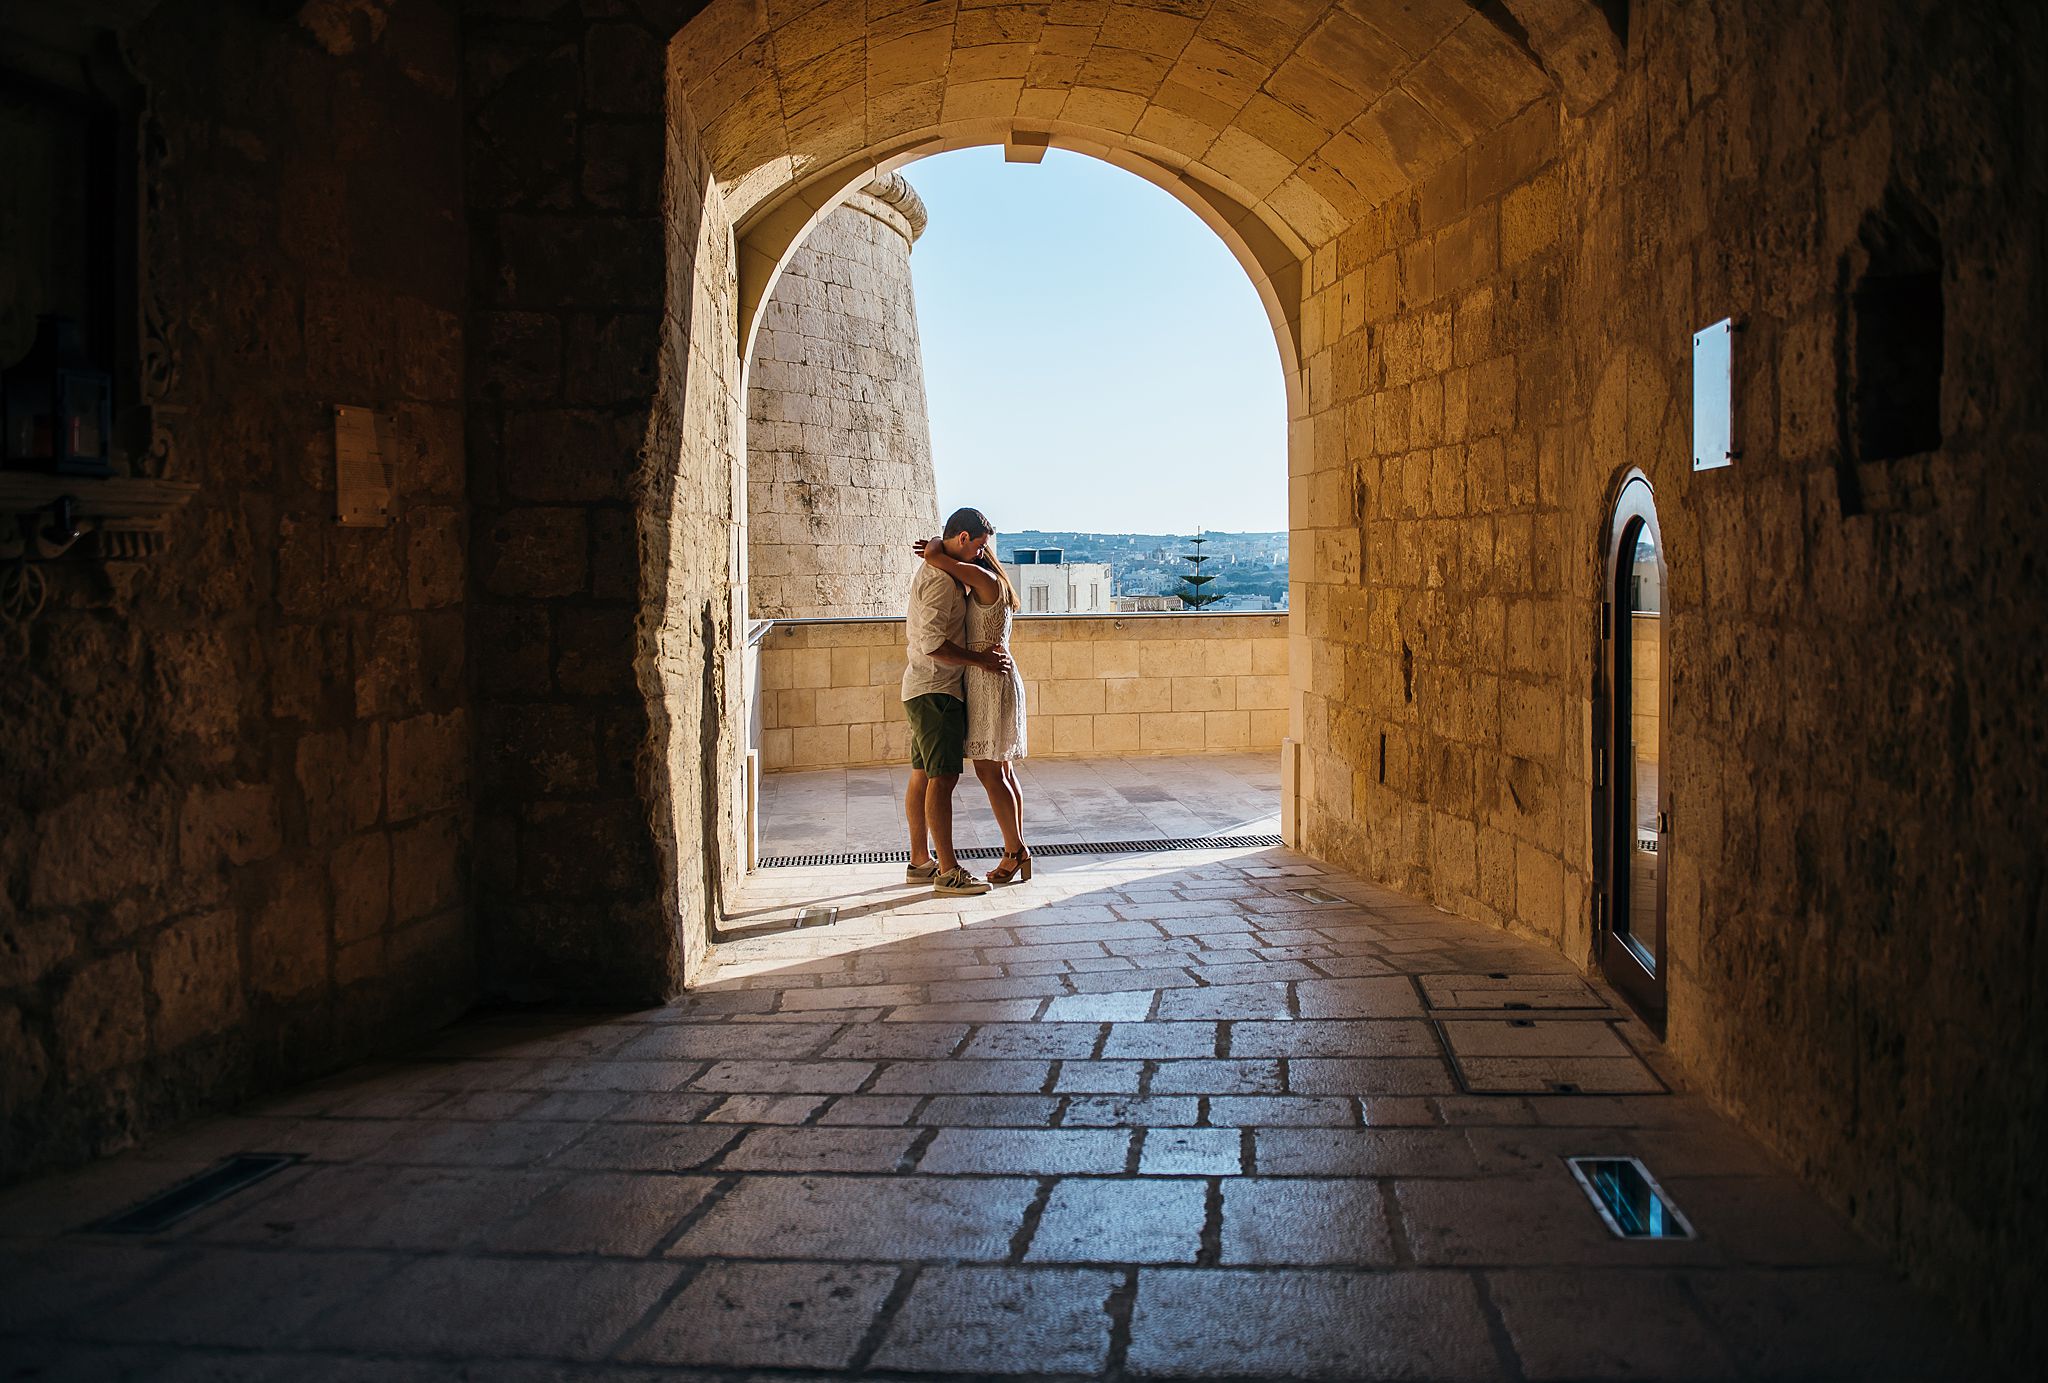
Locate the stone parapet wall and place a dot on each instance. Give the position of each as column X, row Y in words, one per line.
column 1094, row 685
column 839, row 455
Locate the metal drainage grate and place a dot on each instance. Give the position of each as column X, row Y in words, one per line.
column 1315, row 895
column 194, row 1194
column 1629, row 1199
column 992, row 852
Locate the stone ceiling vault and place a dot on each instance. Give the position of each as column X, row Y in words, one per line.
column 1279, row 123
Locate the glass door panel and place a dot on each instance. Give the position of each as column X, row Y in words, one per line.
column 1643, row 918
column 1633, row 822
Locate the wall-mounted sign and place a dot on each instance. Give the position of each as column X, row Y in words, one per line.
column 365, row 478
column 1713, row 412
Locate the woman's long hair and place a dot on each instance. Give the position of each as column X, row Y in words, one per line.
column 975, row 524
column 988, row 560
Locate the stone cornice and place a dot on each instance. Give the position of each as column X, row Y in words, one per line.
column 894, row 192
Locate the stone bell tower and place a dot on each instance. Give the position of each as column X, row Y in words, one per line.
column 839, row 450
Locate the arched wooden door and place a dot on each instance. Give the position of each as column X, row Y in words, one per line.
column 1632, row 809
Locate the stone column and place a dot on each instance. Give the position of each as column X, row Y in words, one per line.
column 839, row 451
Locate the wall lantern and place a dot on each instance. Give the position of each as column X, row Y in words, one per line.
column 59, row 409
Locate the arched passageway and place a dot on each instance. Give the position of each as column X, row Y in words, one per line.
column 1485, row 237
column 1280, row 133
column 309, row 786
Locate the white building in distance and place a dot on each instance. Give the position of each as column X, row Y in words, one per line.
column 1048, row 584
column 1148, row 604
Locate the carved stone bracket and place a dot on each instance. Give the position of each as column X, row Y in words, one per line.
column 116, row 519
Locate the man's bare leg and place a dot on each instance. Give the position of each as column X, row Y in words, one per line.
column 938, row 817
column 913, row 816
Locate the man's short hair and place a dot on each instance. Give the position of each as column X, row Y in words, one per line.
column 972, row 522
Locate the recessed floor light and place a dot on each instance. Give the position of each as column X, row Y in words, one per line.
column 1629, row 1200
column 194, row 1194
column 817, row 917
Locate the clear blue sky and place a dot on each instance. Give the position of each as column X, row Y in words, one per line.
column 1094, row 357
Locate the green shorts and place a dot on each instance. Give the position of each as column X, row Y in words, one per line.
column 938, row 729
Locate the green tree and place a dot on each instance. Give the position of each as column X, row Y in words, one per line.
column 1193, row 596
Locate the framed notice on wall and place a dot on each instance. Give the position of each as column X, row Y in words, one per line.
column 1713, row 407
column 364, row 472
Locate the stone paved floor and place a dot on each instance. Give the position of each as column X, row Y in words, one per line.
column 1148, row 1116
column 829, row 811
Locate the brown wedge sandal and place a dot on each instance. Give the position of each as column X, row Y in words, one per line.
column 1015, row 869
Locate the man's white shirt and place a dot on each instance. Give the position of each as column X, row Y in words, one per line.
column 938, row 612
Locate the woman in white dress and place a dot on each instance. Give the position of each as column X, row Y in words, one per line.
column 995, row 700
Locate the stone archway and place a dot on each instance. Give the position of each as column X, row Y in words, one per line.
column 691, row 172
column 1272, row 261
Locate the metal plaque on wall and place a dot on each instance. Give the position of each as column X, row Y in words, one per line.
column 364, row 471
column 1713, row 405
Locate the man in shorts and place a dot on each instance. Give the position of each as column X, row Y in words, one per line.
column 933, row 701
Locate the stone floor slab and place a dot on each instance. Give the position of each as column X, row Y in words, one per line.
column 863, row 1219
column 819, row 1150
column 1300, row 1222
column 1003, row 1321
column 381, row 1208
column 1192, row 1152
column 1033, row 1151
column 1370, row 1152
column 1596, row 1324
column 1131, row 1111
column 768, row 1315
column 1318, row 1037
column 484, row 1307
column 1557, row 1074
column 1119, row 1220
column 611, row 1213
column 1286, row 1324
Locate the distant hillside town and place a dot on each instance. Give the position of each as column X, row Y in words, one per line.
column 1058, row 571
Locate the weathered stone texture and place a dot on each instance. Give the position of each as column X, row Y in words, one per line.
column 606, row 519
column 193, row 747
column 1106, row 685
column 839, row 453
column 1488, row 354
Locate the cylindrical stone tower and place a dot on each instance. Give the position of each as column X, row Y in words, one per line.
column 839, row 450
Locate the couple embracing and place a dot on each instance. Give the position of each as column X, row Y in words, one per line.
column 964, row 700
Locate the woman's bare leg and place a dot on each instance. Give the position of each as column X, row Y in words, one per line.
column 1016, row 799
column 1002, row 799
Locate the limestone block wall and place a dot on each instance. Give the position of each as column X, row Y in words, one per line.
column 607, row 511
column 839, row 452
column 1093, row 685
column 234, row 780
column 1856, row 730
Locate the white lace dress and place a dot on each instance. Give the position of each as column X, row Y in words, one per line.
column 995, row 700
